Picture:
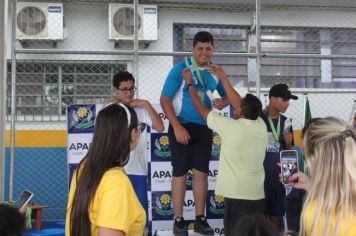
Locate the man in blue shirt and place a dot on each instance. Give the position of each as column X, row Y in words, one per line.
column 190, row 138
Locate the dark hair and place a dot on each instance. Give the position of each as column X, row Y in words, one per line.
column 12, row 222
column 251, row 106
column 203, row 37
column 122, row 76
column 110, row 148
column 253, row 225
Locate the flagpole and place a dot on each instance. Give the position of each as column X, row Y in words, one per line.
column 352, row 112
column 265, row 96
column 305, row 107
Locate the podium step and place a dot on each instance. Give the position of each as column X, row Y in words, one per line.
column 45, row 232
column 170, row 233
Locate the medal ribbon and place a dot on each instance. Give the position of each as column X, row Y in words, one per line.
column 198, row 73
column 275, row 132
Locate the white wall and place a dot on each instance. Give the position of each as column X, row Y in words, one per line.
column 87, row 27
column 309, row 18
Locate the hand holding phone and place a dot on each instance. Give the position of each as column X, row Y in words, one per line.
column 289, row 165
column 23, row 200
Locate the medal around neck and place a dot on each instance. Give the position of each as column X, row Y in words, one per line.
column 210, row 95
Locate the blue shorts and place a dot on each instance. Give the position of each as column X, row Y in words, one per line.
column 196, row 154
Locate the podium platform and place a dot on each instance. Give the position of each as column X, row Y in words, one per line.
column 170, row 233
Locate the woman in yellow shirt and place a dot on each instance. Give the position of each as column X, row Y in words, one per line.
column 330, row 206
column 102, row 201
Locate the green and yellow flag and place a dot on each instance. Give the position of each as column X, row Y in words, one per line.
column 307, row 117
column 307, row 112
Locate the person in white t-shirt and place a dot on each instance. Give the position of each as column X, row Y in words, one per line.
column 136, row 168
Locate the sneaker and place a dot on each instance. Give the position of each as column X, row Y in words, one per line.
column 179, row 228
column 201, row 226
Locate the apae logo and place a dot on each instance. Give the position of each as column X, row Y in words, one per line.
column 79, row 147
column 162, row 177
column 215, row 151
column 213, row 173
column 216, row 205
column 219, row 231
column 191, row 226
column 161, row 174
column 189, row 181
column 164, row 205
column 162, row 147
column 162, row 116
column 189, row 203
column 81, row 118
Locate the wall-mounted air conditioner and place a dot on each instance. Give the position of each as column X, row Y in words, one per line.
column 121, row 22
column 39, row 21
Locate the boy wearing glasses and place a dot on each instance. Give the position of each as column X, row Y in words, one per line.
column 136, row 168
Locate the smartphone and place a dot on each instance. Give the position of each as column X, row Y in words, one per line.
column 289, row 165
column 23, row 200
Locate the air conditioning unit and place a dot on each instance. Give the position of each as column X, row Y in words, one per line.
column 121, row 22
column 39, row 21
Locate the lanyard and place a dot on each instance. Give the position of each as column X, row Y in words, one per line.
column 198, row 72
column 275, row 132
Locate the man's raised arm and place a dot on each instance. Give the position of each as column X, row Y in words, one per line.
column 233, row 96
column 199, row 106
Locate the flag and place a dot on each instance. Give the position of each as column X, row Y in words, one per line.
column 307, row 117
column 307, row 112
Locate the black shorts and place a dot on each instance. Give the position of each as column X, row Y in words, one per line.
column 196, row 154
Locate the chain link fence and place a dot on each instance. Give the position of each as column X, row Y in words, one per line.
column 67, row 53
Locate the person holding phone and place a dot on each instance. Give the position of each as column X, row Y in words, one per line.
column 329, row 145
column 243, row 144
column 190, row 139
column 101, row 199
column 279, row 138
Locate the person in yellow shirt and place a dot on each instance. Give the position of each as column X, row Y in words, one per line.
column 330, row 180
column 102, row 201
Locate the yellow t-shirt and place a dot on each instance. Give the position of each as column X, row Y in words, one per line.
column 243, row 147
column 115, row 205
column 348, row 226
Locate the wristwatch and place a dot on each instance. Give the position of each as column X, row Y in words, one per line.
column 188, row 85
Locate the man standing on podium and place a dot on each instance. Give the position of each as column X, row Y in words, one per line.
column 190, row 138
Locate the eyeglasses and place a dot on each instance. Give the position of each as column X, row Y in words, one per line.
column 127, row 90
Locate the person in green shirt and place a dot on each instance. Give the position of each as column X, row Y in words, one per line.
column 244, row 141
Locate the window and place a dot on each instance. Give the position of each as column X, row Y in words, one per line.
column 44, row 90
column 344, row 70
column 297, row 72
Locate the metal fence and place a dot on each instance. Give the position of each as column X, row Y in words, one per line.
column 67, row 52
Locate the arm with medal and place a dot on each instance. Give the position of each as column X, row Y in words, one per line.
column 218, row 103
column 201, row 109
